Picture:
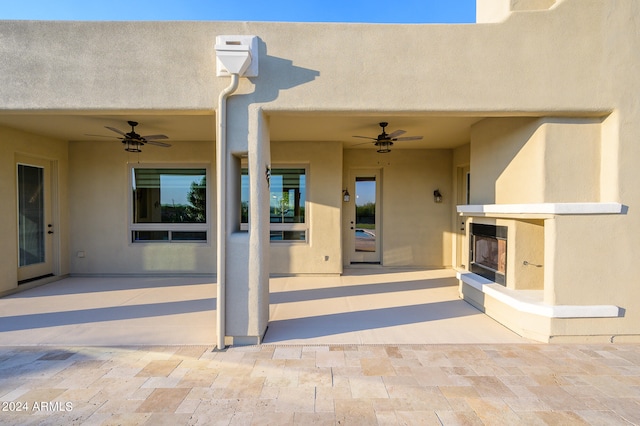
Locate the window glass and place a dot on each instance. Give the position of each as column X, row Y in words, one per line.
column 244, row 196
column 287, row 196
column 31, row 220
column 150, row 235
column 169, row 204
column 188, row 236
column 169, row 196
column 288, row 235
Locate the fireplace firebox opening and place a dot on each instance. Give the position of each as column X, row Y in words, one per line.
column 488, row 251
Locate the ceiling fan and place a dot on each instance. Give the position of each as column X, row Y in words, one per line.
column 133, row 142
column 385, row 140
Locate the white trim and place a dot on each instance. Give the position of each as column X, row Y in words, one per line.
column 541, row 208
column 531, row 301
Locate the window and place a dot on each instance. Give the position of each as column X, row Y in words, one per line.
column 169, row 204
column 287, row 211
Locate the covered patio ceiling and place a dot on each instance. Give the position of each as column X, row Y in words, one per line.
column 438, row 131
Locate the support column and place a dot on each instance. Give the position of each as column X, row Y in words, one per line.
column 247, row 257
column 259, row 222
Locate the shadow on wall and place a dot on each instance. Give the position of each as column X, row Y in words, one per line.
column 501, row 141
column 276, row 74
column 535, row 159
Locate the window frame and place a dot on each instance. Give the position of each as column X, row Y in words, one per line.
column 168, row 227
column 285, row 227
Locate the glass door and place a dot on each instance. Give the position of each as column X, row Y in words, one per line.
column 35, row 229
column 366, row 224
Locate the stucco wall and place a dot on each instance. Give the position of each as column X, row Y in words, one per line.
column 14, row 143
column 416, row 231
column 506, row 149
column 324, row 200
column 99, row 188
column 547, row 60
column 528, row 160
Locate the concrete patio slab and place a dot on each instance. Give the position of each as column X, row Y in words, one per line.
column 374, row 305
column 108, row 311
column 370, row 305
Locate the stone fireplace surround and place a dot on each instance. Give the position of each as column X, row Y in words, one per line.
column 520, row 304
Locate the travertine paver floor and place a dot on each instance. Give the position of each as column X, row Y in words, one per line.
column 500, row 384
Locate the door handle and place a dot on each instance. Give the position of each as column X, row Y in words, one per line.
column 50, row 232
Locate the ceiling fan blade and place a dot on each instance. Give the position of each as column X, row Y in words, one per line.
column 162, row 144
column 409, row 138
column 102, row 136
column 396, row 134
column 363, row 143
column 366, row 137
column 113, row 129
column 154, row 137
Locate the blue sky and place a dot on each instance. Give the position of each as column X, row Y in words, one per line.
column 374, row 11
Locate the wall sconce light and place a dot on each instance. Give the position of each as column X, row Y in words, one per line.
column 437, row 196
column 267, row 174
column 345, row 196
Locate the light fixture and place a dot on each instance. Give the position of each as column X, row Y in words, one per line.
column 384, row 146
column 131, row 145
column 437, row 196
column 345, row 196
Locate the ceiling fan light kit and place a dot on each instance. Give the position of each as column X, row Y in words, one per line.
column 384, row 140
column 131, row 145
column 384, row 147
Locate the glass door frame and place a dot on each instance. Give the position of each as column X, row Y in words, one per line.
column 46, row 268
column 374, row 257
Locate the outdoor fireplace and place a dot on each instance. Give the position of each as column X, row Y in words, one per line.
column 488, row 252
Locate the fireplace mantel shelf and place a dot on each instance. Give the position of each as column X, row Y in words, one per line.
column 531, row 301
column 539, row 209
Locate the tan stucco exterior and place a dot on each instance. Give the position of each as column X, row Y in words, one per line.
column 538, row 101
column 99, row 205
column 22, row 147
